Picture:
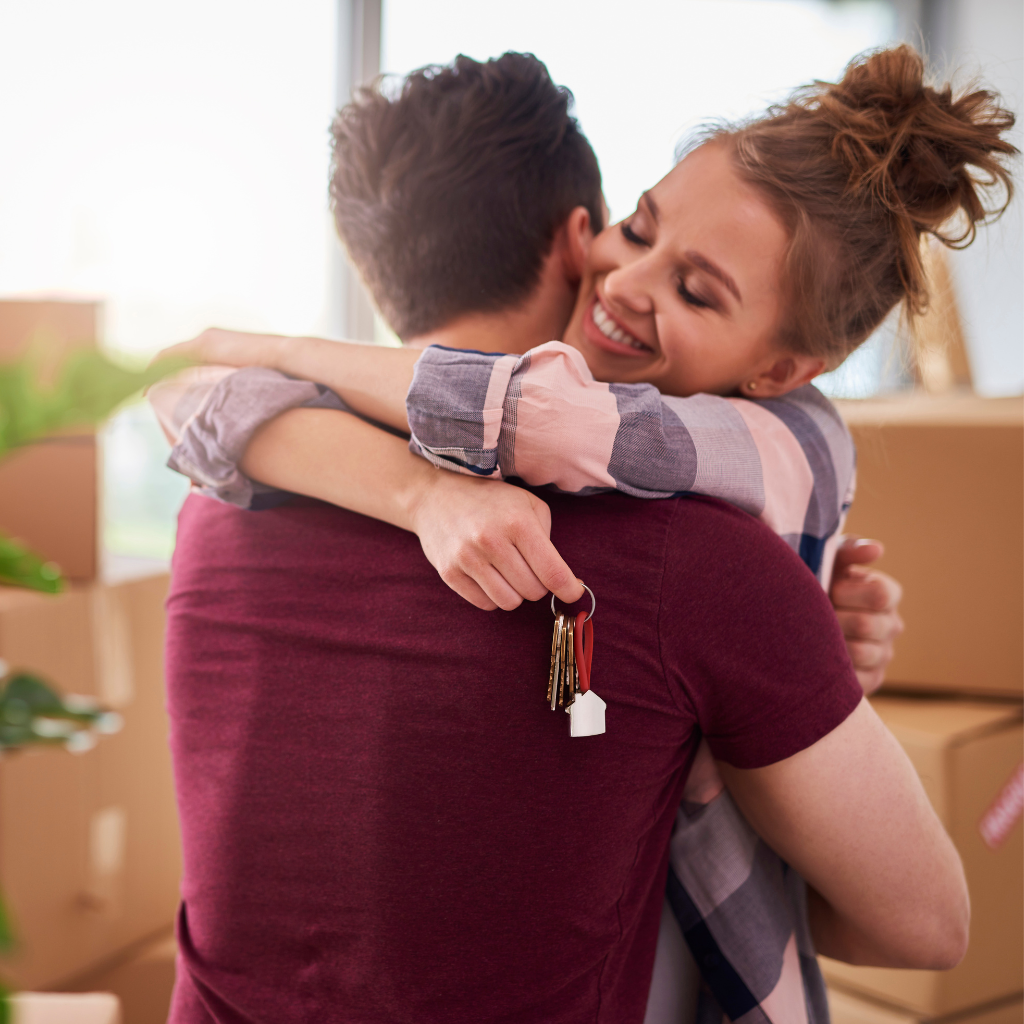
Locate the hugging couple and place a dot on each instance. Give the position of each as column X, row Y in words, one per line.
column 382, row 818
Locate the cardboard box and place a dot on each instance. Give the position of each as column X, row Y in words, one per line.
column 846, row 1008
column 143, row 983
column 49, row 494
column 89, row 849
column 49, row 499
column 941, row 481
column 55, row 326
column 968, row 755
column 58, row 1008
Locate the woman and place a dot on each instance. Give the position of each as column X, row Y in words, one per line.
column 745, row 269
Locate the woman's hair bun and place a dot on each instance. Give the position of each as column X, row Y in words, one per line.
column 858, row 171
column 923, row 154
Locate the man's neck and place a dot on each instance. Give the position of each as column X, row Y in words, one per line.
column 540, row 318
column 490, row 332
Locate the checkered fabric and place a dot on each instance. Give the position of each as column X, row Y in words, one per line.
column 543, row 418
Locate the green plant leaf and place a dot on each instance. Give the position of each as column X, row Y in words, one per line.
column 32, row 713
column 6, row 933
column 20, row 567
column 89, row 386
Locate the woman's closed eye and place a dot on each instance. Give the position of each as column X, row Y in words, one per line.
column 631, row 236
column 694, row 300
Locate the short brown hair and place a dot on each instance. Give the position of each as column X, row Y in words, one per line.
column 448, row 193
column 859, row 171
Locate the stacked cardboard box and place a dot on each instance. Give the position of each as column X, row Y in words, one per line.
column 850, row 1009
column 89, row 849
column 941, row 482
column 143, row 981
column 49, row 493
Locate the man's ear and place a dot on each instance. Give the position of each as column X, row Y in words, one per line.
column 783, row 375
column 577, row 236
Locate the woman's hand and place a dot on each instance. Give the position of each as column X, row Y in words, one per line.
column 372, row 379
column 866, row 603
column 230, row 348
column 490, row 542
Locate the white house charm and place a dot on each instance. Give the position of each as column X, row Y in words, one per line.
column 586, row 715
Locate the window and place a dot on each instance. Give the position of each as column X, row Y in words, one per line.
column 171, row 160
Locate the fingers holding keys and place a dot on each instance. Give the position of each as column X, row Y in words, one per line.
column 547, row 566
column 491, row 542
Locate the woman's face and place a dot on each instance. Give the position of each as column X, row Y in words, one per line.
column 684, row 294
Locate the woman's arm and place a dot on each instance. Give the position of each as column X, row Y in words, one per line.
column 850, row 815
column 545, row 419
column 252, row 437
column 371, row 379
column 490, row 543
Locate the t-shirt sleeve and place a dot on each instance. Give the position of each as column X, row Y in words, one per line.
column 756, row 651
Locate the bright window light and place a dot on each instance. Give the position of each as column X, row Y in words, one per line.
column 646, row 73
column 170, row 160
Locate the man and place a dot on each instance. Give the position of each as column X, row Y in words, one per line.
column 408, row 835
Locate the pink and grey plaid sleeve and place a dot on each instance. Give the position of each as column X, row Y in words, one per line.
column 543, row 417
column 209, row 414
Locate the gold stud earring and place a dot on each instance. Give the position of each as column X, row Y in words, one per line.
column 752, row 386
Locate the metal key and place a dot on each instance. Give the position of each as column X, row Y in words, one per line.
column 554, row 654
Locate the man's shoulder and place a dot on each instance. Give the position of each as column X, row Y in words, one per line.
column 723, row 548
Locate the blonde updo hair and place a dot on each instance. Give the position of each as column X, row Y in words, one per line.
column 859, row 171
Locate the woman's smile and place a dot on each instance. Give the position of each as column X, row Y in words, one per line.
column 602, row 329
column 660, row 300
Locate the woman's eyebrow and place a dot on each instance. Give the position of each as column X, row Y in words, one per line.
column 715, row 271
column 652, row 206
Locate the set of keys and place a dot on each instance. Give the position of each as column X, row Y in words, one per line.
column 572, row 652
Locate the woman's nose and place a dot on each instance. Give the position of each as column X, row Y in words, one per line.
column 628, row 287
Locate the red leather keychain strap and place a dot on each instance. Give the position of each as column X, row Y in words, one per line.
column 584, row 653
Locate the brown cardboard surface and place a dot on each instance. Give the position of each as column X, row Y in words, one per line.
column 143, row 983
column 847, row 1008
column 49, row 490
column 53, row 325
column 964, row 753
column 49, row 499
column 940, row 479
column 89, row 852
column 49, row 635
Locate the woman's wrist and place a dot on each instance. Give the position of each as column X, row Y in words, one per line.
column 418, row 496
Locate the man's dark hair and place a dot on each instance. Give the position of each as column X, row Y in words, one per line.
column 448, row 193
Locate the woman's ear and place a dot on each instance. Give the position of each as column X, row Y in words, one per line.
column 782, row 376
column 578, row 234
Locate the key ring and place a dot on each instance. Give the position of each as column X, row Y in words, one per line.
column 593, row 602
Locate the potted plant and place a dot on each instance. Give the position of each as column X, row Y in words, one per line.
column 87, row 388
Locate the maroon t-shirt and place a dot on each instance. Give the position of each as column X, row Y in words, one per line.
column 383, row 821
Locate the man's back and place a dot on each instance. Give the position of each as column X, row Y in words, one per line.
column 383, row 820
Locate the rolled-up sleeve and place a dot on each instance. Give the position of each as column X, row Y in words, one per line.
column 211, row 423
column 542, row 417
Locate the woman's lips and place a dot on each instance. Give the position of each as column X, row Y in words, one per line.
column 602, row 331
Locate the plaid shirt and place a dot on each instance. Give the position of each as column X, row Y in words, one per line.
column 543, row 418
